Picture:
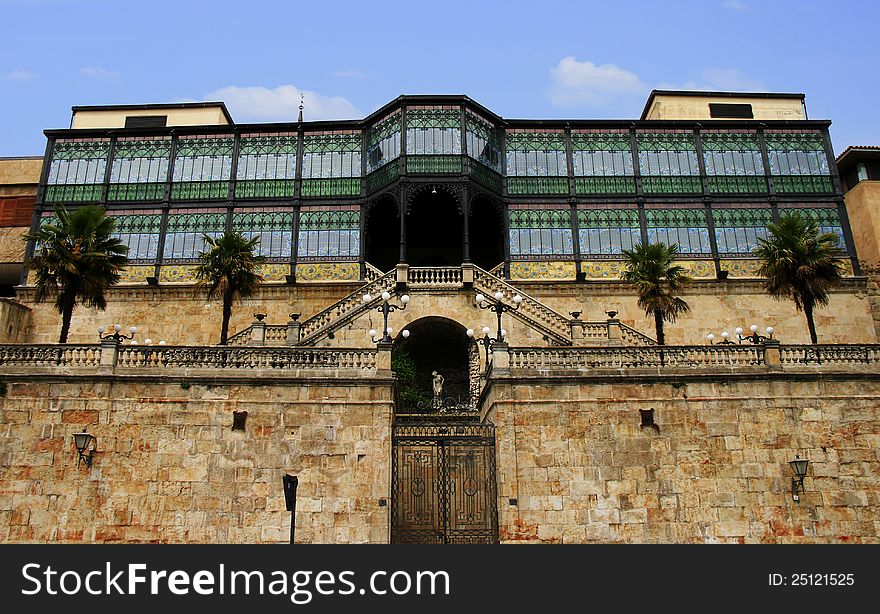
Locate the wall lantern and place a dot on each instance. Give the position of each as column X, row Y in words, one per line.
column 799, row 466
column 84, row 441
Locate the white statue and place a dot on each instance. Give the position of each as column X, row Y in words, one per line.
column 438, row 384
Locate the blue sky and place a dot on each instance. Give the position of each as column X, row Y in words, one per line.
column 531, row 59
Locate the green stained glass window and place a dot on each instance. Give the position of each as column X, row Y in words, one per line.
column 668, row 162
column 76, row 173
column 540, row 232
column 687, row 228
column 433, row 131
column 827, row 218
column 536, row 154
column 603, row 162
column 266, row 166
column 737, row 230
column 733, row 162
column 383, row 142
column 605, row 232
column 483, row 141
column 329, row 234
column 202, row 168
column 332, row 154
column 798, row 162
column 183, row 235
column 140, row 232
column 273, row 228
column 139, row 169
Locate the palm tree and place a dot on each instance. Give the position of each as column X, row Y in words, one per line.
column 76, row 258
column 800, row 263
column 228, row 270
column 652, row 269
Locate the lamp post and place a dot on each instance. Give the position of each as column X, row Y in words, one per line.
column 117, row 336
column 498, row 308
column 753, row 338
column 486, row 341
column 385, row 308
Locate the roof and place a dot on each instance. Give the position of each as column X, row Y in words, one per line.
column 155, row 106
column 711, row 94
column 855, row 154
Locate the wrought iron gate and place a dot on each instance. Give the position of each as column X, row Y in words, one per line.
column 443, row 483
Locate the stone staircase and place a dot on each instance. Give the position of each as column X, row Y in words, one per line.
column 557, row 329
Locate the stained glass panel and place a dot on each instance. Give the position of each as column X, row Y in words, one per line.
column 798, row 162
column 183, row 236
column 433, row 131
column 603, row 162
column 140, row 232
column 540, row 232
column 273, row 228
column 605, row 232
column 329, row 234
column 733, row 162
column 483, row 141
column 668, row 162
column 687, row 228
column 737, row 230
column 76, row 173
column 266, row 166
column 202, row 168
column 383, row 142
column 139, row 169
column 539, row 153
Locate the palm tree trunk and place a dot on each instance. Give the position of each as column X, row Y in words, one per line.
column 66, row 316
column 227, row 313
column 658, row 326
column 808, row 311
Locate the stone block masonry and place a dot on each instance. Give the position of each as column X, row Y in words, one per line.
column 169, row 468
column 581, row 468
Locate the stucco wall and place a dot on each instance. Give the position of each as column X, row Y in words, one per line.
column 115, row 118
column 697, row 107
column 863, row 209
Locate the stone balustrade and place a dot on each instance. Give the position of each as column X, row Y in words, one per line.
column 629, row 357
column 145, row 358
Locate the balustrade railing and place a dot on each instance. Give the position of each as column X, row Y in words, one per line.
column 829, row 354
column 635, row 357
column 39, row 355
column 345, row 309
column 552, row 323
column 435, row 276
column 168, row 357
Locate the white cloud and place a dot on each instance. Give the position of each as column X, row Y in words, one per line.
column 282, row 104
column 735, row 5
column 576, row 83
column 723, row 79
column 99, row 72
column 20, row 74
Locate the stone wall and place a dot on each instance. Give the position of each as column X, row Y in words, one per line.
column 572, row 453
column 14, row 321
column 169, row 468
column 180, row 315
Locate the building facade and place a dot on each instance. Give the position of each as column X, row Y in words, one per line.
column 565, row 422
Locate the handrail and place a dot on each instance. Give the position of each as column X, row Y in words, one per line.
column 344, row 310
column 633, row 337
column 533, row 312
column 274, row 332
column 826, row 353
column 445, row 276
column 372, row 273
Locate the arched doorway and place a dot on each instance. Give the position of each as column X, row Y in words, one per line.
column 434, row 233
column 382, row 234
column 486, row 230
column 443, row 464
